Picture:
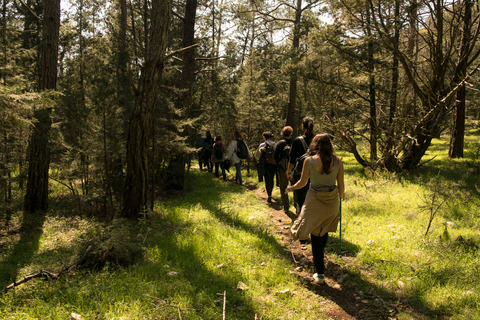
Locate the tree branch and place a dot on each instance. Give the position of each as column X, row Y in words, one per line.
column 31, row 11
column 41, row 274
column 178, row 16
column 193, row 46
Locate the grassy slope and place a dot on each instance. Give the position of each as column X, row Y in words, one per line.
column 216, row 223
column 218, row 234
column 386, row 218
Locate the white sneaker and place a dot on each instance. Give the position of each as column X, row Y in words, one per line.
column 318, row 278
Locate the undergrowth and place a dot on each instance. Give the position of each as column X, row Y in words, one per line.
column 409, row 238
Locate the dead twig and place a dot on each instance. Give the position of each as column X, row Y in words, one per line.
column 179, row 313
column 41, row 274
column 224, row 302
column 163, row 304
column 293, row 257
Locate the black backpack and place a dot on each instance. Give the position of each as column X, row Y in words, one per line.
column 217, row 151
column 242, row 150
column 285, row 159
column 269, row 154
column 300, row 160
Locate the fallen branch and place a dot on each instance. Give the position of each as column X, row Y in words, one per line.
column 179, row 314
column 224, row 302
column 41, row 274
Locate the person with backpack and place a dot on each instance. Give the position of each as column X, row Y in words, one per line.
column 265, row 153
column 218, row 156
column 199, row 145
column 298, row 154
column 238, row 151
column 282, row 158
column 207, row 155
column 321, row 211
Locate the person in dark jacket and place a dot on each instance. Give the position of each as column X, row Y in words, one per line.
column 218, row 158
column 282, row 157
column 201, row 149
column 207, row 155
column 268, row 160
column 299, row 148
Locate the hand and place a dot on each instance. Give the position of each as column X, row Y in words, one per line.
column 290, row 176
column 288, row 189
column 262, row 150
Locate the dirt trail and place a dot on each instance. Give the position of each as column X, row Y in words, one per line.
column 345, row 307
column 343, row 301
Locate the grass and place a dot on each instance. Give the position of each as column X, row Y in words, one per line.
column 386, row 217
column 194, row 248
column 198, row 247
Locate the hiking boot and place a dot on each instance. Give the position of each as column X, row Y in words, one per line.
column 318, row 278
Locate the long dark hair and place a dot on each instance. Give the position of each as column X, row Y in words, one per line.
column 307, row 124
column 237, row 135
column 322, row 145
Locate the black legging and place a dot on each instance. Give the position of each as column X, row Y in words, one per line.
column 318, row 251
column 299, row 195
column 270, row 171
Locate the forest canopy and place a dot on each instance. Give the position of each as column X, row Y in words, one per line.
column 107, row 98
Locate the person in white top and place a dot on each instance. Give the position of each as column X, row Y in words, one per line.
column 232, row 156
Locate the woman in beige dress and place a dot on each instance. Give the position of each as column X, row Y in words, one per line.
column 321, row 211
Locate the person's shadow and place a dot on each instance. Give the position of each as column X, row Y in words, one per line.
column 357, row 297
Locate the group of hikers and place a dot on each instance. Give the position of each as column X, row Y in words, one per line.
column 315, row 173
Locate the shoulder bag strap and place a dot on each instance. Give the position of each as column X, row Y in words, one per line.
column 304, row 143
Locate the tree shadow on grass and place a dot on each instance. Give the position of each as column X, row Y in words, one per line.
column 357, row 297
column 21, row 255
column 349, row 288
column 207, row 281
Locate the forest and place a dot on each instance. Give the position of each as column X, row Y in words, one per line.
column 106, row 98
column 101, row 101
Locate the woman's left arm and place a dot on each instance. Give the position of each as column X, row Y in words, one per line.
column 303, row 179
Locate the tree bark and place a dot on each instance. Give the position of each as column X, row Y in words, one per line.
column 372, row 92
column 36, row 197
column 141, row 122
column 389, row 155
column 457, row 138
column 176, row 180
column 290, row 121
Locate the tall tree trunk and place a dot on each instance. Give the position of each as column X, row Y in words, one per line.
column 176, row 180
column 458, row 131
column 292, row 95
column 372, row 92
column 84, row 159
column 413, row 155
column 36, row 197
column 140, row 127
column 3, row 75
column 389, row 156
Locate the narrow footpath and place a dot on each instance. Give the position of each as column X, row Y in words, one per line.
column 342, row 301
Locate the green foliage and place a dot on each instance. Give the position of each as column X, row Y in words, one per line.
column 384, row 217
column 117, row 244
column 203, row 242
column 195, row 248
column 257, row 108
